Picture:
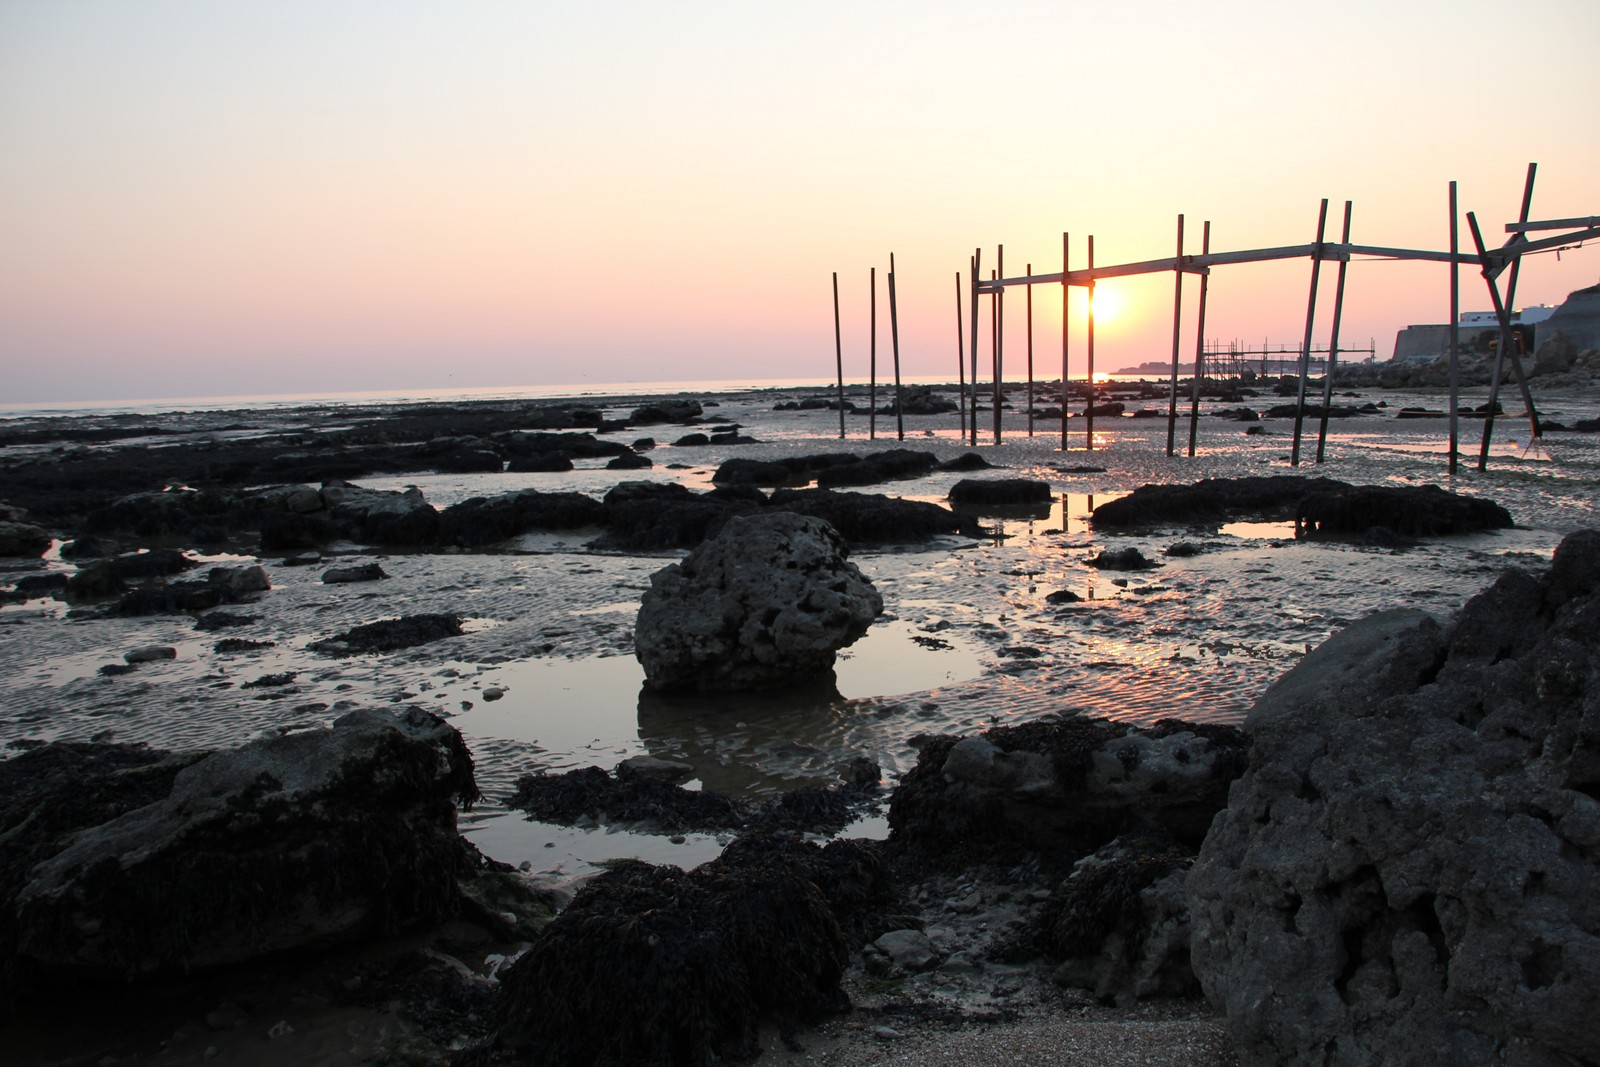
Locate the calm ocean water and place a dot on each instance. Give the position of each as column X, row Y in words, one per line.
column 270, row 401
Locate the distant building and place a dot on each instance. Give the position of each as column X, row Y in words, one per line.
column 1431, row 341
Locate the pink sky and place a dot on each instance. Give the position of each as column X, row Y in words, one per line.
column 201, row 198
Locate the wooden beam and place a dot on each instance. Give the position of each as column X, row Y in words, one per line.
column 1588, row 222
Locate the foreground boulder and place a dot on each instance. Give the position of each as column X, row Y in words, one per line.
column 655, row 965
column 174, row 865
column 1119, row 922
column 767, row 602
column 1409, row 872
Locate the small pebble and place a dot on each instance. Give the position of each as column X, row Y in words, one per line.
column 494, row 692
column 281, row 1028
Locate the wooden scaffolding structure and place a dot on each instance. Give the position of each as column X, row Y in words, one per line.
column 1492, row 263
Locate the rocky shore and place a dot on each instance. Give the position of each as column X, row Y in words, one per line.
column 1390, row 853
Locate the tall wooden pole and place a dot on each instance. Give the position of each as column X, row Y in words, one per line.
column 1333, row 341
column 961, row 371
column 1030, row 350
column 1199, row 343
column 1502, row 312
column 1305, row 347
column 872, row 385
column 1177, row 324
column 972, row 350
column 1511, row 302
column 1088, row 414
column 1066, row 298
column 894, row 336
column 1455, row 334
column 999, row 334
column 1504, row 344
column 838, row 351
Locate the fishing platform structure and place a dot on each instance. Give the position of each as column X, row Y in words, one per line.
column 1493, row 263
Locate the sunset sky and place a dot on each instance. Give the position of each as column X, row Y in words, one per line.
column 220, row 197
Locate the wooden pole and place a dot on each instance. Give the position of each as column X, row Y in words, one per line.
column 1455, row 334
column 1511, row 301
column 1502, row 346
column 961, row 372
column 1088, row 414
column 1333, row 341
column 838, row 352
column 1305, row 347
column 1502, row 312
column 894, row 336
column 999, row 334
column 1030, row 350
column 1177, row 323
column 872, row 386
column 1066, row 296
column 972, row 422
column 1199, row 344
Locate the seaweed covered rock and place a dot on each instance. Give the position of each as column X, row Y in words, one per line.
column 483, row 520
column 23, row 539
column 643, row 793
column 672, row 409
column 389, row 635
column 791, row 470
column 1059, row 789
column 1120, row 921
column 627, row 797
column 1409, row 871
column 1211, row 500
column 973, row 493
column 872, row 518
column 895, row 464
column 378, row 517
column 288, row 843
column 767, row 602
column 655, row 965
column 47, row 796
column 1409, row 510
column 222, row 585
column 647, row 516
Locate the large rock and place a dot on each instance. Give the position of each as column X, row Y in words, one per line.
column 766, row 602
column 377, row 517
column 290, row 842
column 487, row 520
column 1060, row 788
column 1119, row 922
column 655, row 965
column 22, row 539
column 1409, row 872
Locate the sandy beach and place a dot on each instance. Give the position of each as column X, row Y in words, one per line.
column 543, row 677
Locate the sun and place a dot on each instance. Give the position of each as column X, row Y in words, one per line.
column 1107, row 304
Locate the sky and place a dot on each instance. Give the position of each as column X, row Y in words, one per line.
column 219, row 197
